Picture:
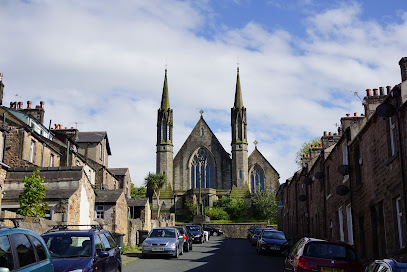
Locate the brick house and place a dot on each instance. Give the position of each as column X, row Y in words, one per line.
column 354, row 184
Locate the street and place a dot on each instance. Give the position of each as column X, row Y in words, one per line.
column 217, row 254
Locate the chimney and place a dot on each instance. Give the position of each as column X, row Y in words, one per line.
column 28, row 104
column 327, row 140
column 1, row 89
column 403, row 68
column 381, row 90
column 42, row 104
column 37, row 112
column 20, row 105
column 371, row 102
column 388, row 89
column 315, row 150
column 368, row 92
column 375, row 93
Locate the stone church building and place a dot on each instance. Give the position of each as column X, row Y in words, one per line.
column 203, row 162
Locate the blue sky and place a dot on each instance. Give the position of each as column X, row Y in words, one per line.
column 99, row 65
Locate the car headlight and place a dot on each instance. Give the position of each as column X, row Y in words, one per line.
column 146, row 243
column 172, row 244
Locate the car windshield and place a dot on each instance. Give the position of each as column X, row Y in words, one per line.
column 274, row 235
column 330, row 251
column 258, row 231
column 69, row 246
column 163, row 233
column 181, row 230
column 194, row 228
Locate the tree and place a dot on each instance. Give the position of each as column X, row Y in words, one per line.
column 137, row 192
column 155, row 182
column 305, row 150
column 31, row 198
column 265, row 206
column 235, row 207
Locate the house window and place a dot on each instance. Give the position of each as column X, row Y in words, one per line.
column 32, row 151
column 100, row 212
column 399, row 215
column 392, row 128
column 341, row 233
column 345, row 158
column 349, row 224
column 51, row 160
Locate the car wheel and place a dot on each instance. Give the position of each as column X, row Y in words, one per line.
column 202, row 240
column 176, row 254
column 190, row 246
column 186, row 249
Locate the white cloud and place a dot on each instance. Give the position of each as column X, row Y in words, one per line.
column 101, row 65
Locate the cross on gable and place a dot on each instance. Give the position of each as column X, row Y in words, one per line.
column 255, row 143
column 201, row 112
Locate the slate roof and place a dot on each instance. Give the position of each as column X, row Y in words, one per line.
column 107, row 196
column 137, row 202
column 49, row 194
column 118, row 171
column 93, row 137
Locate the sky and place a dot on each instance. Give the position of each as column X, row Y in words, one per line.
column 99, row 66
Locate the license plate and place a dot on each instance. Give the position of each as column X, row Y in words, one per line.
column 275, row 248
column 331, row 269
column 158, row 249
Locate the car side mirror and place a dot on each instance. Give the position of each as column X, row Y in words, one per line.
column 103, row 254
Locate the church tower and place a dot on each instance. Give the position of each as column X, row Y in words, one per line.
column 240, row 166
column 164, row 163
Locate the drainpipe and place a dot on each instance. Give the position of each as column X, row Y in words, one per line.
column 348, row 139
column 67, row 154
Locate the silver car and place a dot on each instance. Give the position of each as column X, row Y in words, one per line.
column 163, row 241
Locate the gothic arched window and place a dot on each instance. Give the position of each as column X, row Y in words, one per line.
column 257, row 179
column 164, row 131
column 202, row 169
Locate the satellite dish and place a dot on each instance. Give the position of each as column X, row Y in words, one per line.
column 343, row 170
column 307, row 181
column 302, row 197
column 385, row 110
column 319, row 175
column 342, row 190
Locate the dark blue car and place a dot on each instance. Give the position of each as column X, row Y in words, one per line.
column 83, row 250
column 273, row 242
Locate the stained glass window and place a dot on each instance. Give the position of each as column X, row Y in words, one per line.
column 202, row 169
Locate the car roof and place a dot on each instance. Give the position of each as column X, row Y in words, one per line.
column 9, row 230
column 315, row 240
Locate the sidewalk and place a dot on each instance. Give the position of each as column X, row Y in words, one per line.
column 130, row 257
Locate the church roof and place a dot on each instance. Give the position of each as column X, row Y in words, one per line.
column 258, row 152
column 165, row 99
column 238, row 94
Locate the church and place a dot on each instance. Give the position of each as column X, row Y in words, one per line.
column 203, row 167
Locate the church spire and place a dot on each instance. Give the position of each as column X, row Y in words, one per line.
column 165, row 100
column 238, row 94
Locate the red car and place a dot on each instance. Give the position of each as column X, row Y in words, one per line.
column 310, row 254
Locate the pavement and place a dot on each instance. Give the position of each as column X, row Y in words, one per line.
column 128, row 258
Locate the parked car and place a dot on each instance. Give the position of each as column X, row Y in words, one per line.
column 187, row 238
column 310, row 254
column 212, row 230
column 23, row 250
column 196, row 233
column 387, row 265
column 250, row 231
column 92, row 249
column 163, row 241
column 273, row 242
column 255, row 236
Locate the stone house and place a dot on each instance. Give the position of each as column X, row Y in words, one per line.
column 355, row 191
column 124, row 180
column 70, row 194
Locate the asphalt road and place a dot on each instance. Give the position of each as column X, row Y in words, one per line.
column 217, row 254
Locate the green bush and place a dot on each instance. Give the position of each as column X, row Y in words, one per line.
column 236, row 208
column 216, row 213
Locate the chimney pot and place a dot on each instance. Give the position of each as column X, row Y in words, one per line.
column 375, row 93
column 388, row 89
column 403, row 68
column 42, row 104
column 28, row 104
column 381, row 90
column 56, row 126
column 37, row 107
column 11, row 105
column 347, row 115
column 1, row 77
column 330, row 134
column 72, row 127
column 325, row 133
column 335, row 134
column 20, row 105
column 368, row 92
column 355, row 113
column 320, row 144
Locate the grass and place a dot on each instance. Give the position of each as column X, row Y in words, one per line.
column 131, row 249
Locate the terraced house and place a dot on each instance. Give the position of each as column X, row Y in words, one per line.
column 353, row 186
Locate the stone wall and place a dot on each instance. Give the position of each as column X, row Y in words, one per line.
column 238, row 230
column 39, row 225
